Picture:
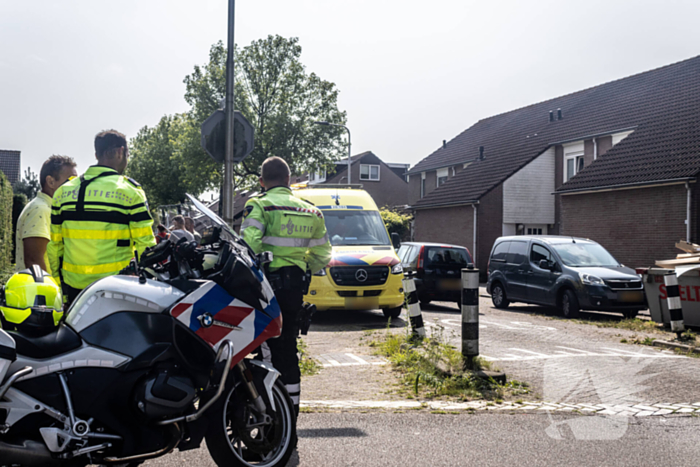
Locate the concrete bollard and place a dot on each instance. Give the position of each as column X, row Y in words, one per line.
column 675, row 310
column 414, row 311
column 470, row 315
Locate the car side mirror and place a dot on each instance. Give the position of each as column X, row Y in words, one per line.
column 396, row 240
column 544, row 264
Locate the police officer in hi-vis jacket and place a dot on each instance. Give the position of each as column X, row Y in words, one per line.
column 295, row 232
column 98, row 220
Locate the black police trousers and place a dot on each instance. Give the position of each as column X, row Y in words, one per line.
column 284, row 348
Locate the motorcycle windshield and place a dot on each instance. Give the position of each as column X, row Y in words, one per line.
column 205, row 219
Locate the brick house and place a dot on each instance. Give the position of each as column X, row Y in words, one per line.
column 10, row 165
column 385, row 182
column 617, row 163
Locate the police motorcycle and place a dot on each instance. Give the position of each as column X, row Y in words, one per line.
column 143, row 364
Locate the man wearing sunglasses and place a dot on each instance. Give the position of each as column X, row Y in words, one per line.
column 34, row 223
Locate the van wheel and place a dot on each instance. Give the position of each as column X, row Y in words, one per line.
column 392, row 313
column 498, row 296
column 569, row 306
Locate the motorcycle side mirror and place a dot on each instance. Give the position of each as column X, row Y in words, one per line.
column 396, row 240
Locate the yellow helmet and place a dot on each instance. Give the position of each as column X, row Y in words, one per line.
column 31, row 301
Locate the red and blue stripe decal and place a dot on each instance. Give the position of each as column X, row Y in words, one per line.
column 214, row 300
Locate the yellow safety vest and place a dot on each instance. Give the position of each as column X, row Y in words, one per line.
column 97, row 221
column 292, row 229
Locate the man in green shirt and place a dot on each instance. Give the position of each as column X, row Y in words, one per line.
column 34, row 223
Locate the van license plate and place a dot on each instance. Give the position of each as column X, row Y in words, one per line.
column 450, row 284
column 630, row 297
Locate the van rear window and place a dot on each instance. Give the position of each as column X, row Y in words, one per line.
column 440, row 256
column 500, row 252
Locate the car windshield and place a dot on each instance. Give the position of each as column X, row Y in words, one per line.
column 347, row 227
column 578, row 255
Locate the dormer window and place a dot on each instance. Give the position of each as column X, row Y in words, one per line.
column 573, row 160
column 442, row 176
column 317, row 177
column 369, row 172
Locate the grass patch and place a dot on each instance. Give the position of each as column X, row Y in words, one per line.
column 634, row 324
column 307, row 365
column 431, row 369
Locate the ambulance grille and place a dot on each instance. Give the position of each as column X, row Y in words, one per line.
column 354, row 275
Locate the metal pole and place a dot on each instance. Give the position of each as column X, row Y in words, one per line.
column 227, row 192
column 675, row 308
column 470, row 316
column 413, row 307
column 350, row 155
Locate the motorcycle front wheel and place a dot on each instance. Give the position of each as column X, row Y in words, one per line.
column 238, row 436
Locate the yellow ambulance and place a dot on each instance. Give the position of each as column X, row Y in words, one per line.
column 365, row 273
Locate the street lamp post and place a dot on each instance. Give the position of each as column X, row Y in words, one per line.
column 349, row 145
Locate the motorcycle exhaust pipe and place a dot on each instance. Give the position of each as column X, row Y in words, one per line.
column 27, row 453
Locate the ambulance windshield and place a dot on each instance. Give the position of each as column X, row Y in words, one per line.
column 350, row 227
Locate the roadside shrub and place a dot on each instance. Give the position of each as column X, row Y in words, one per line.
column 19, row 201
column 6, row 242
column 397, row 222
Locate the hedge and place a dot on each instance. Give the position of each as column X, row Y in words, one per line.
column 6, row 241
column 19, row 201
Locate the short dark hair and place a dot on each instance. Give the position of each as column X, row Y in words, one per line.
column 275, row 170
column 161, row 228
column 53, row 166
column 107, row 141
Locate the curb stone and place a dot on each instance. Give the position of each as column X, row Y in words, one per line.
column 674, row 345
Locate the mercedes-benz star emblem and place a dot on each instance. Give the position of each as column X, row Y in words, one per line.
column 206, row 320
column 361, row 275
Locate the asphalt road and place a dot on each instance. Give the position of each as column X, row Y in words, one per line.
column 567, row 361
column 424, row 439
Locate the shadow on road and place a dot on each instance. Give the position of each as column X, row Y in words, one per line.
column 352, row 320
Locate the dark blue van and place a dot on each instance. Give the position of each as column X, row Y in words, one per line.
column 569, row 273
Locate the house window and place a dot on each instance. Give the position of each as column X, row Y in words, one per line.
column 573, row 160
column 441, row 176
column 318, row 177
column 422, row 184
column 534, row 231
column 369, row 172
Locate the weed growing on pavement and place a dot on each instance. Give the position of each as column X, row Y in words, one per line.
column 307, row 365
column 432, row 368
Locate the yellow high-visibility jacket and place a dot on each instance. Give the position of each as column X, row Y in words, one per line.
column 97, row 221
column 292, row 229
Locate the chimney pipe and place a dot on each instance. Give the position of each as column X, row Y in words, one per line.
column 444, row 143
column 558, row 114
column 481, row 153
column 551, row 115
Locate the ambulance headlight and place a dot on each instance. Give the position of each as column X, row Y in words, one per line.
column 397, row 269
column 322, row 272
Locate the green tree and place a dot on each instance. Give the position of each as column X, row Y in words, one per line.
column 273, row 91
column 396, row 221
column 29, row 185
column 6, row 240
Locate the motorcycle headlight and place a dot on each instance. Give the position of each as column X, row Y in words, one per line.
column 397, row 269
column 590, row 279
column 322, row 272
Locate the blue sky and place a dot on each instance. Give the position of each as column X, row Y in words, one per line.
column 410, row 73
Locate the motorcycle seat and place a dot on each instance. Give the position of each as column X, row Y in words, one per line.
column 57, row 342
